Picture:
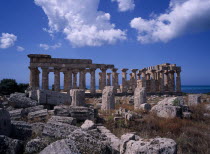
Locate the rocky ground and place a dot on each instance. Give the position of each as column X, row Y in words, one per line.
column 163, row 125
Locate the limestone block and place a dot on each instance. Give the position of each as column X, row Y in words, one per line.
column 88, row 124
column 26, row 111
column 58, row 129
column 16, row 114
column 194, row 99
column 66, row 120
column 52, row 97
column 78, row 97
column 5, row 122
column 37, row 128
column 21, row 130
column 19, row 100
column 65, row 146
column 187, row 115
column 156, row 145
column 140, row 97
column 10, row 146
column 165, row 111
column 82, row 113
column 145, row 107
column 61, row 110
column 41, row 115
column 108, row 101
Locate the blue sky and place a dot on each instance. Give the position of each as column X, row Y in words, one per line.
column 166, row 32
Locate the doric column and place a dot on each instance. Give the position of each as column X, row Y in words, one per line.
column 108, row 79
column 161, row 81
column 92, row 81
column 117, row 80
column 166, row 81
column 139, row 76
column 57, row 79
column 67, row 80
column 82, row 79
column 74, row 79
column 114, row 78
column 178, row 81
column 45, row 78
column 103, row 78
column 124, row 80
column 143, row 77
column 34, row 76
column 134, row 79
column 100, row 80
column 171, row 81
column 152, row 86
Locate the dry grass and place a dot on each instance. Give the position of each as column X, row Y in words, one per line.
column 192, row 135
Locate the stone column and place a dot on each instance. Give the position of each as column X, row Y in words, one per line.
column 45, row 78
column 134, row 77
column 82, row 79
column 161, row 81
column 152, row 86
column 139, row 76
column 67, row 80
column 92, row 81
column 57, row 79
column 108, row 79
column 114, row 79
column 103, row 78
column 166, row 80
column 34, row 77
column 124, row 80
column 143, row 77
column 75, row 80
column 78, row 97
column 100, row 80
column 171, row 81
column 178, row 81
column 108, row 100
column 117, row 80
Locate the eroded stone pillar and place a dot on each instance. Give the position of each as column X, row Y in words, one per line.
column 178, row 81
column 45, row 78
column 115, row 79
column 124, row 80
column 140, row 97
column 143, row 77
column 103, row 78
column 100, row 80
column 161, row 81
column 82, row 79
column 171, row 81
column 92, row 81
column 166, row 81
column 74, row 79
column 134, row 77
column 108, row 79
column 34, row 77
column 67, row 80
column 152, row 82
column 108, row 101
column 57, row 79
column 78, row 97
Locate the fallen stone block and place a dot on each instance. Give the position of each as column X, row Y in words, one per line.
column 66, row 120
column 61, row 110
column 88, row 124
column 16, row 114
column 194, row 99
column 82, row 113
column 38, row 116
column 145, row 107
column 37, row 128
column 28, row 110
column 10, row 146
column 21, row 130
column 5, row 122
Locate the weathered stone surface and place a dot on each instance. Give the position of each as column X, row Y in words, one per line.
column 131, row 145
column 114, row 141
column 108, row 101
column 168, row 108
column 66, row 120
column 10, row 146
column 52, row 97
column 194, row 99
column 78, row 97
column 145, row 107
column 37, row 128
column 19, row 100
column 21, row 130
column 61, row 110
column 207, row 107
column 26, row 111
column 90, row 142
column 58, row 129
column 65, row 146
column 40, row 115
column 186, row 115
column 5, row 122
column 16, row 114
column 82, row 113
column 140, row 97
column 88, row 124
column 36, row 145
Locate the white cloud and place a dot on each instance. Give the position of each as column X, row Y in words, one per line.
column 125, row 5
column 47, row 47
column 182, row 17
column 7, row 40
column 19, row 48
column 81, row 22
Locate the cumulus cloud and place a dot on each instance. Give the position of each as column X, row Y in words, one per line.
column 125, row 5
column 19, row 48
column 81, row 22
column 7, row 40
column 47, row 47
column 182, row 17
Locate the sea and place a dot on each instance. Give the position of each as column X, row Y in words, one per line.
column 186, row 88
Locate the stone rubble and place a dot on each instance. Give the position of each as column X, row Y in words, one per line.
column 194, row 99
column 5, row 122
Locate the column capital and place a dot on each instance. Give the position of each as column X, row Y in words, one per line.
column 108, row 73
column 124, row 70
column 103, row 69
column 114, row 70
column 134, row 70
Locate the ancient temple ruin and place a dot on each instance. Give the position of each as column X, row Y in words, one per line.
column 164, row 78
